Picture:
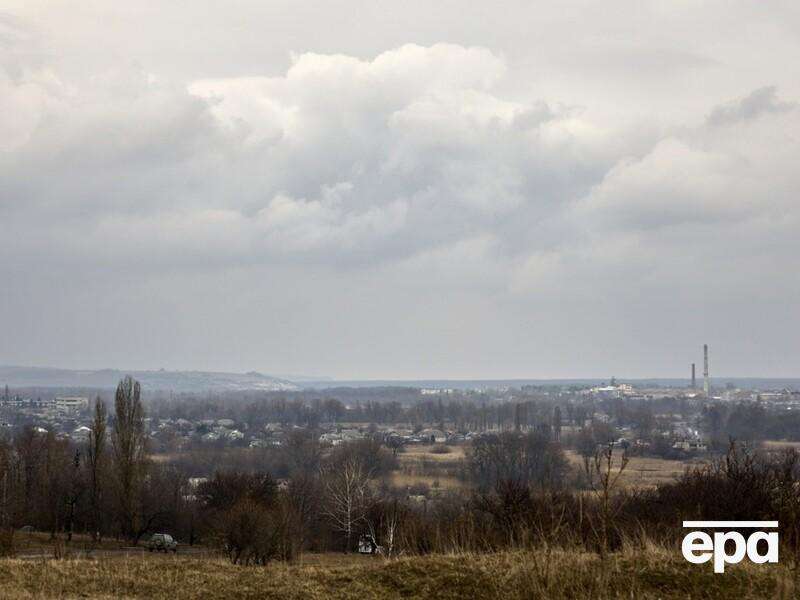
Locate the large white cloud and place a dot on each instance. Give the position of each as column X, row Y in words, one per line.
column 422, row 176
column 339, row 159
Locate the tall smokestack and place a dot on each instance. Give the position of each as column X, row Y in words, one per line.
column 706, row 386
column 694, row 381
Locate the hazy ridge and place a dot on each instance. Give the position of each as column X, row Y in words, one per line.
column 177, row 381
column 198, row 381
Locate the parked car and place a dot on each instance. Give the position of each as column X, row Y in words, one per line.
column 162, row 542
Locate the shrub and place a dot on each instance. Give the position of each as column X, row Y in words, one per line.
column 6, row 542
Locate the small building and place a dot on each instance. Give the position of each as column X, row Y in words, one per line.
column 690, row 446
column 71, row 403
column 433, row 435
column 81, row 434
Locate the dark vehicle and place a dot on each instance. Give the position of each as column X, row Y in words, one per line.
column 162, row 542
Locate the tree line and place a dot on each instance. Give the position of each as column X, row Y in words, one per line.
column 107, row 486
column 519, row 491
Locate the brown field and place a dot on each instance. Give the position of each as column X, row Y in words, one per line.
column 643, row 472
column 43, row 543
column 163, row 457
column 420, row 465
column 637, row 573
column 445, row 482
column 780, row 445
column 425, row 452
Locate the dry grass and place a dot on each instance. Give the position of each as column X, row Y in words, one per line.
column 515, row 575
column 38, row 542
column 445, row 482
column 643, row 472
column 420, row 465
column 426, row 452
column 781, row 445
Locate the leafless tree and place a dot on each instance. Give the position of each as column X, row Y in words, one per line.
column 347, row 495
column 603, row 477
column 390, row 518
column 95, row 460
column 129, row 443
column 303, row 496
column 75, row 492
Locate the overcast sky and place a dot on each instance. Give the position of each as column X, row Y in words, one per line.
column 368, row 189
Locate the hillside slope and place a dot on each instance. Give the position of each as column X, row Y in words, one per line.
column 176, row 381
column 656, row 574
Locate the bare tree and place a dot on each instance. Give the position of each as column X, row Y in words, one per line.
column 347, row 495
column 385, row 522
column 603, row 478
column 53, row 483
column 129, row 443
column 303, row 495
column 95, row 460
column 76, row 488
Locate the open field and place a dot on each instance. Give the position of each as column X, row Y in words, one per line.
column 643, row 472
column 444, row 482
column 421, row 465
column 37, row 540
column 426, row 452
column 40, row 545
column 651, row 574
column 781, row 445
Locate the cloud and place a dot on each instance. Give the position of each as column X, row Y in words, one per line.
column 409, row 157
column 715, row 205
column 339, row 160
column 759, row 102
column 423, row 187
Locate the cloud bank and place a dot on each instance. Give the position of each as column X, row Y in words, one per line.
column 348, row 202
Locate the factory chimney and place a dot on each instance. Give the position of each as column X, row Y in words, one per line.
column 706, row 386
column 694, row 381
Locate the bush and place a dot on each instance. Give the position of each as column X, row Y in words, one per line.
column 6, row 542
column 254, row 534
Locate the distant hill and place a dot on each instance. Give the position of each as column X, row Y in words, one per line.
column 176, row 381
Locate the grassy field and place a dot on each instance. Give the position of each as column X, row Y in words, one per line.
column 422, row 465
column 515, row 575
column 412, row 453
column 643, row 472
column 38, row 542
column 778, row 445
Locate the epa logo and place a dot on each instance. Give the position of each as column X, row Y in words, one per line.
column 699, row 547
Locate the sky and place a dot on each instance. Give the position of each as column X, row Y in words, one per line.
column 373, row 190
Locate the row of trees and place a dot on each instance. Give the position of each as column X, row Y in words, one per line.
column 519, row 500
column 519, row 492
column 104, row 487
column 460, row 411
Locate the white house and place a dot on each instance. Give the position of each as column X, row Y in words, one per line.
column 71, row 403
